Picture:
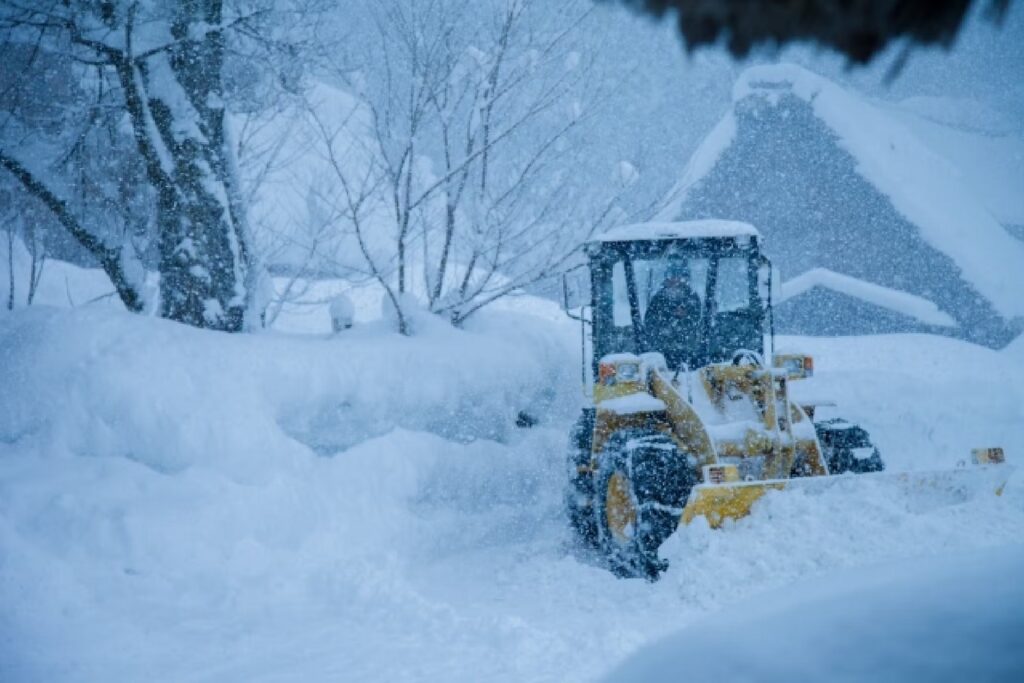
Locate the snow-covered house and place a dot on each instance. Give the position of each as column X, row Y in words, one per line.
column 875, row 226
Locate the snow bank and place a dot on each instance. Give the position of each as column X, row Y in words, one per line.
column 885, row 297
column 922, row 185
column 153, row 476
column 101, row 383
column 959, row 620
column 926, row 400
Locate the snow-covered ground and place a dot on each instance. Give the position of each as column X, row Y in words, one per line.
column 921, row 620
column 180, row 505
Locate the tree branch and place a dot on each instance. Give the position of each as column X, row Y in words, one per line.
column 109, row 258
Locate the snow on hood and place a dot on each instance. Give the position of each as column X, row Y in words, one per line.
column 923, row 186
column 901, row 302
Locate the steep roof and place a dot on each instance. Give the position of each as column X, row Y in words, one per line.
column 922, row 185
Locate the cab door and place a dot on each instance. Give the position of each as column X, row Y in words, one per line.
column 736, row 313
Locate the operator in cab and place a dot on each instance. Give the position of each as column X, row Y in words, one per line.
column 672, row 322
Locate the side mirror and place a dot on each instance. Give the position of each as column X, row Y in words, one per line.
column 572, row 298
column 565, row 292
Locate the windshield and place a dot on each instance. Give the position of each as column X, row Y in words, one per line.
column 653, row 276
column 686, row 301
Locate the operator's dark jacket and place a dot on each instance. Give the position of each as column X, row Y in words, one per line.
column 672, row 325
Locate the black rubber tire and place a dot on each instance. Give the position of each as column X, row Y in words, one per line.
column 579, row 489
column 660, row 479
column 838, row 438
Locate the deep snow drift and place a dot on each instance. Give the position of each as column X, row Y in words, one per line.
column 182, row 505
column 958, row 620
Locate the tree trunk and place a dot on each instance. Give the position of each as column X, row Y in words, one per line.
column 37, row 261
column 203, row 251
column 10, row 267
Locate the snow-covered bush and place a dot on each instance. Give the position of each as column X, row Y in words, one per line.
column 342, row 313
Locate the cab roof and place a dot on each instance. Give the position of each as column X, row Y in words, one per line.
column 702, row 229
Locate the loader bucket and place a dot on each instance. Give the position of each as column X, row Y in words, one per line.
column 719, row 502
column 924, row 490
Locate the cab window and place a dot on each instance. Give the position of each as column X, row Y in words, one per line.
column 732, row 288
column 650, row 277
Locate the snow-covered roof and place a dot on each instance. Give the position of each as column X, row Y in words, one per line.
column 885, row 297
column 664, row 230
column 986, row 150
column 923, row 186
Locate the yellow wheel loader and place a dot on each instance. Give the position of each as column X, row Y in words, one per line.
column 691, row 411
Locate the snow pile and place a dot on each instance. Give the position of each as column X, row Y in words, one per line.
column 926, row 400
column 153, row 474
column 412, row 311
column 302, row 305
column 922, row 185
column 885, row 297
column 959, row 620
column 172, row 397
column 343, row 313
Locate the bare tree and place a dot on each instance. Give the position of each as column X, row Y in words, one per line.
column 161, row 66
column 111, row 258
column 460, row 162
column 21, row 225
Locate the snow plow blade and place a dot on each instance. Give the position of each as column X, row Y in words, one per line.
column 718, row 502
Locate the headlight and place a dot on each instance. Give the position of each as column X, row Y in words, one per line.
column 619, row 368
column 796, row 365
column 627, row 372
